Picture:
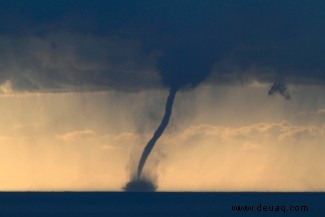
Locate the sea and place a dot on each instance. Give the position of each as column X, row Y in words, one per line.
column 161, row 204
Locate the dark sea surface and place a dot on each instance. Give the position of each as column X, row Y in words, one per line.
column 169, row 204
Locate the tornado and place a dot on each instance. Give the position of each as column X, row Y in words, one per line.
column 159, row 131
column 181, row 66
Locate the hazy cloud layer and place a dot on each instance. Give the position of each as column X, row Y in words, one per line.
column 231, row 138
column 135, row 45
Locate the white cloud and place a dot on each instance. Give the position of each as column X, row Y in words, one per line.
column 76, row 135
column 311, row 113
column 6, row 138
column 6, row 88
column 320, row 111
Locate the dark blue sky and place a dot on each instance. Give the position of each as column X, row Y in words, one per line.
column 125, row 44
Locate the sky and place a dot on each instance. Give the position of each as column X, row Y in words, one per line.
column 83, row 86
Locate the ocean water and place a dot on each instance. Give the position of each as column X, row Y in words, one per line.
column 156, row 204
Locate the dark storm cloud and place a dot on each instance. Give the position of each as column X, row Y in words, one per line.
column 66, row 62
column 127, row 45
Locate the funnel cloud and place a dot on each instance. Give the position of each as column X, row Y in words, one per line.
column 140, row 183
column 164, row 122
